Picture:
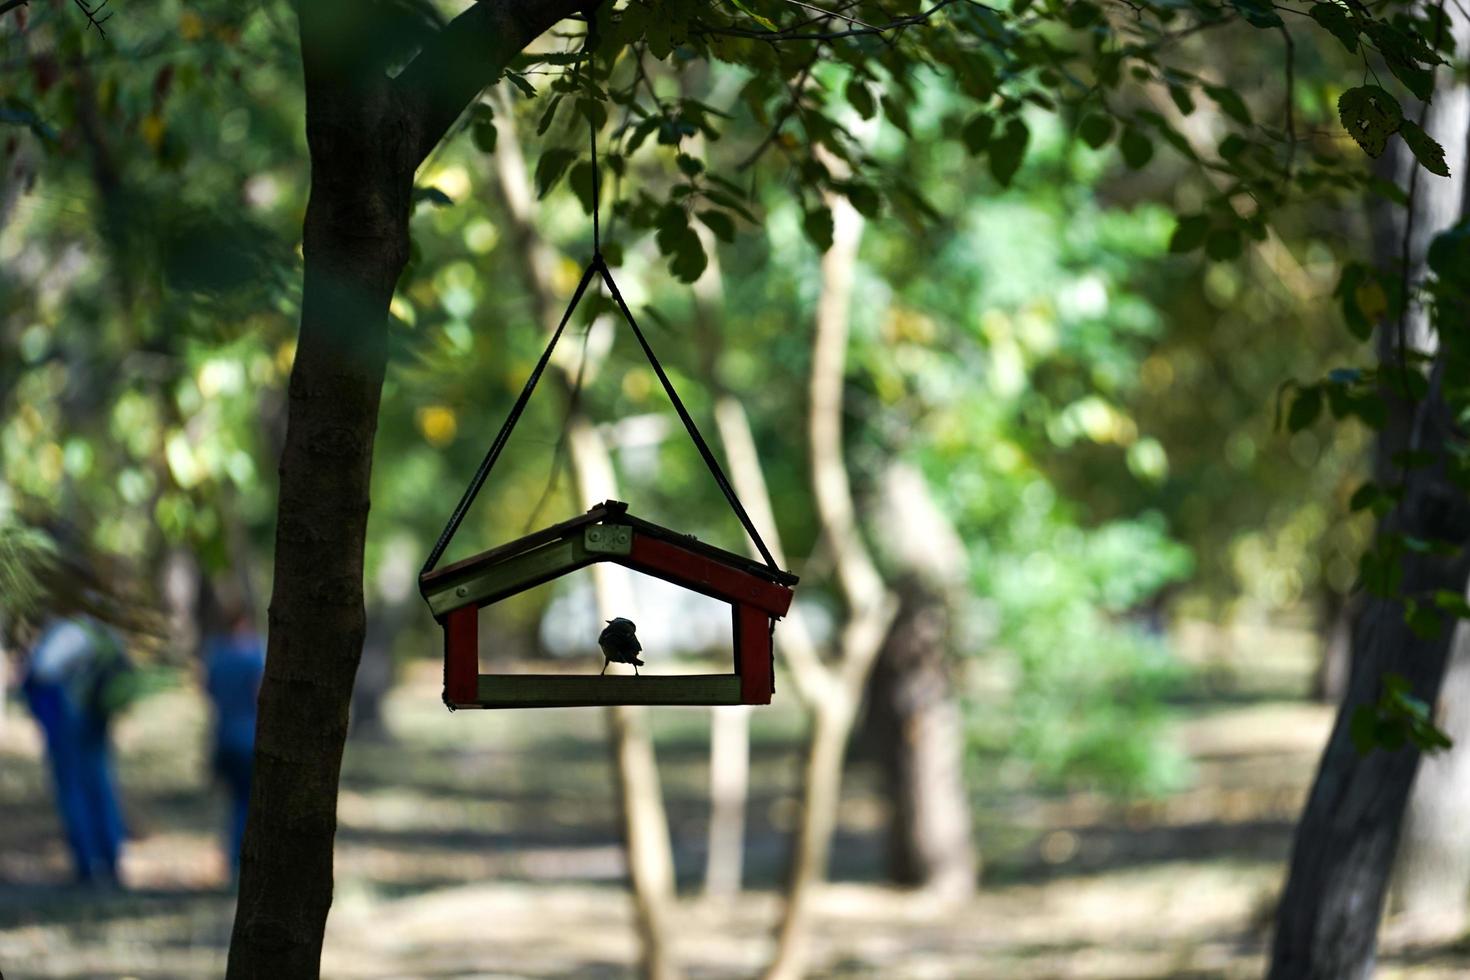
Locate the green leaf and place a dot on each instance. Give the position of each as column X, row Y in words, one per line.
column 818, row 227
column 1082, row 13
column 1183, row 101
column 580, row 180
column 1189, row 233
column 1230, row 103
column 1425, row 622
column 523, row 86
column 1304, row 408
column 863, row 198
column 1426, row 150
column 977, row 132
column 1008, row 150
column 550, row 167
column 765, row 22
column 688, row 165
column 1335, row 19
column 1096, row 130
column 1137, row 148
column 1223, row 244
column 1258, row 13
column 1371, row 116
column 720, row 223
column 484, row 135
column 432, row 195
column 860, row 97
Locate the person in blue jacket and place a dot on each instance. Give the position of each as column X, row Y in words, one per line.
column 233, row 664
column 63, row 612
column 65, row 686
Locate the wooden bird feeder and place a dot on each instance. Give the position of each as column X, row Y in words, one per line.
column 758, row 596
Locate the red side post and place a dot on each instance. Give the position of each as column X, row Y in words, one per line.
column 753, row 654
column 462, row 656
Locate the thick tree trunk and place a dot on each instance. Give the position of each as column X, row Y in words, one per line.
column 914, row 722
column 367, row 134
column 356, row 243
column 918, row 734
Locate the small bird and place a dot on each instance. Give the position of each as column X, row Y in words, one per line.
column 619, row 644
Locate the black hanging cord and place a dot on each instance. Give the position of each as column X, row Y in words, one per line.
column 503, row 436
column 599, row 266
column 684, row 416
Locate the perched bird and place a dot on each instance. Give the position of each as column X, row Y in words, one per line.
column 619, row 643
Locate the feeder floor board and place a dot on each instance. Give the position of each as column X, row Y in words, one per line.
column 576, row 690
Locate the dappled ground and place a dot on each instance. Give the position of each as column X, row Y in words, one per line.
column 485, row 843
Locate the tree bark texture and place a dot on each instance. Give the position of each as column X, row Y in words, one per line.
column 367, row 134
column 1345, row 843
column 914, row 722
column 1434, row 858
column 1433, row 873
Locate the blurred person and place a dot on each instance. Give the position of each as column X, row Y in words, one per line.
column 234, row 661
column 76, row 677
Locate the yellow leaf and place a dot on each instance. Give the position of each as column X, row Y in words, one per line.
column 191, row 26
column 438, row 424
column 151, row 129
column 1371, row 299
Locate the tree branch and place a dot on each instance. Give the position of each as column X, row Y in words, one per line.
column 467, row 55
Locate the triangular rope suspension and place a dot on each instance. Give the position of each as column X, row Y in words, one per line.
column 598, row 266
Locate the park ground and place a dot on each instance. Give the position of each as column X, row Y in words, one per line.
column 485, row 844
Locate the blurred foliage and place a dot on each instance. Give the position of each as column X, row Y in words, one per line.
column 1090, row 266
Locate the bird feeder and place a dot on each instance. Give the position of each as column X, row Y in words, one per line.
column 757, row 594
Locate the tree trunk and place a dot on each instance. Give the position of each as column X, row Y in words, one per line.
column 1343, row 852
column 355, row 245
column 831, row 694
column 729, row 786
column 918, row 733
column 1434, row 860
column 914, row 722
column 645, row 825
column 367, row 133
column 821, row 791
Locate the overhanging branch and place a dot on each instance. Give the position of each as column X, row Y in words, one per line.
column 468, row 54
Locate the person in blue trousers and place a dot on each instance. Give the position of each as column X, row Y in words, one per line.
column 233, row 665
column 65, row 684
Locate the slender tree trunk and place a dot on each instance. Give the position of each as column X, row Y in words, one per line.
column 645, row 824
column 729, row 786
column 831, row 723
column 831, row 693
column 1343, row 853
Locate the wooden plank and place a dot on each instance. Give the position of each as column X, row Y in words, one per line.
column 582, row 690
column 691, row 543
column 753, row 651
column 512, row 575
column 461, row 656
column 701, row 573
column 434, row 581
